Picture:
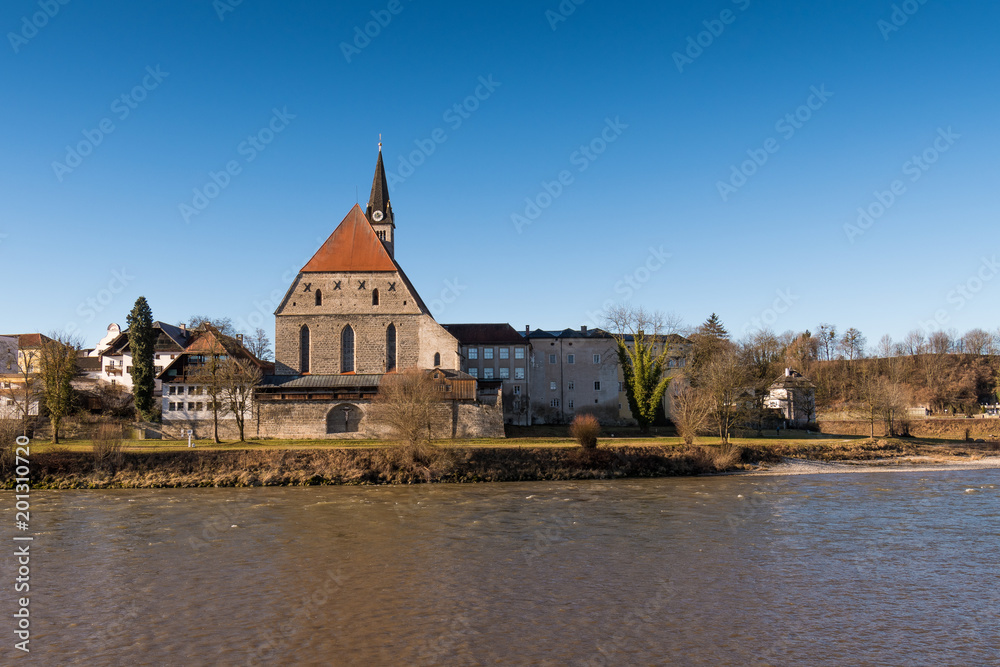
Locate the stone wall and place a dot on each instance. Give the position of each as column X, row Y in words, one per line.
column 947, row 428
column 418, row 336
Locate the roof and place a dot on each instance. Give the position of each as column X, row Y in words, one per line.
column 30, row 340
column 570, row 333
column 479, row 334
column 319, row 381
column 353, row 246
column 88, row 363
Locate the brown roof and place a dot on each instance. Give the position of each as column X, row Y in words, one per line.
column 353, row 246
column 29, row 341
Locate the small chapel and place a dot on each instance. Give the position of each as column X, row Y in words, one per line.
column 351, row 316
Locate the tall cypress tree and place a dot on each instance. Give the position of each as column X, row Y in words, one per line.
column 140, row 341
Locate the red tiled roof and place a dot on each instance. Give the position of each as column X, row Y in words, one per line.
column 353, row 246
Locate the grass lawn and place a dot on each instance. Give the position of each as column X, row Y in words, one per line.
column 787, row 438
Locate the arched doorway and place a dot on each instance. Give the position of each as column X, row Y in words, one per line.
column 343, row 418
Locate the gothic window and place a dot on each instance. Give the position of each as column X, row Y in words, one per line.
column 304, row 349
column 319, row 298
column 375, row 297
column 390, row 348
column 347, row 350
column 437, row 358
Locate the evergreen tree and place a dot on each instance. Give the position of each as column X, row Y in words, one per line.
column 140, row 341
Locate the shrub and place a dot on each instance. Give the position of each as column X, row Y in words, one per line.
column 107, row 445
column 585, row 429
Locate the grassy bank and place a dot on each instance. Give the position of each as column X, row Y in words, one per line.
column 145, row 464
column 64, row 469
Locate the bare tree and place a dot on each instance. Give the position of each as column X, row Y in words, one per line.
column 761, row 356
column 870, row 387
column 915, row 342
column 239, row 379
column 259, row 345
column 223, row 324
column 939, row 342
column 408, row 405
column 210, row 376
column 827, row 340
column 641, row 339
column 885, row 348
column 57, row 364
column 726, row 381
column 690, row 409
column 27, row 389
column 852, row 344
column 979, row 342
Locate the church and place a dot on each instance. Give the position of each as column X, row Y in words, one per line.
column 349, row 317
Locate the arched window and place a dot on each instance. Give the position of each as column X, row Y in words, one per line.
column 390, row 348
column 375, row 297
column 437, row 358
column 347, row 350
column 304, row 349
column 319, row 298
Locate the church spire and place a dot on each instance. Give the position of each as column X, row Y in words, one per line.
column 379, row 211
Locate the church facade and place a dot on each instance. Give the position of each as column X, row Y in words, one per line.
column 350, row 316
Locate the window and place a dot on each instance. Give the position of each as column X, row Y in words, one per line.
column 473, row 353
column 487, row 353
column 474, row 372
column 572, row 386
column 390, row 349
column 487, row 373
column 173, row 406
column 517, row 390
column 552, row 386
column 569, row 404
column 552, row 358
column 621, row 386
column 347, row 350
column 199, row 407
column 504, row 352
column 304, row 349
column 518, row 373
column 319, row 298
column 597, row 358
column 191, row 407
column 375, row 297
column 597, row 385
column 437, row 358
column 518, row 353
column 554, row 402
column 504, row 373
column 180, row 390
column 172, row 392
column 570, row 358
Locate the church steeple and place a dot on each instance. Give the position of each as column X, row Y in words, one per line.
column 379, row 211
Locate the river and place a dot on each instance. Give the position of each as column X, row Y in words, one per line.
column 866, row 569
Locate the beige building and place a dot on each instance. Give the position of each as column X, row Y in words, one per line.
column 573, row 371
column 499, row 357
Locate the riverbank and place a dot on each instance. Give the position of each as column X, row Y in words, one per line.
column 287, row 465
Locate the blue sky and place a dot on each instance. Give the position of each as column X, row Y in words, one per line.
column 643, row 110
